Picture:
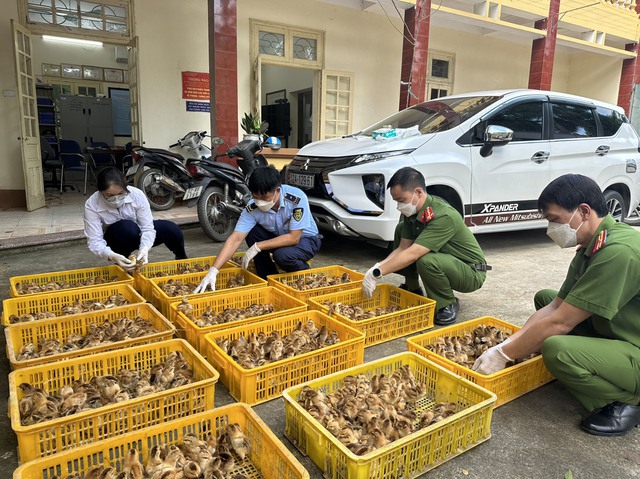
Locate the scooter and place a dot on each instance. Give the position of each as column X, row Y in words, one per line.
column 162, row 174
column 225, row 192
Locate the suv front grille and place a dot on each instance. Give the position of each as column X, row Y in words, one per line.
column 317, row 166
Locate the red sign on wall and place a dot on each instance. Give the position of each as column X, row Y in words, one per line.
column 195, row 85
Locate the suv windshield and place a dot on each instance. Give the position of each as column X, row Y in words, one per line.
column 435, row 115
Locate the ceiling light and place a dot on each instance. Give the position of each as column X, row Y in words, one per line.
column 77, row 41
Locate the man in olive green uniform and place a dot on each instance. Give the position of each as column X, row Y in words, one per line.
column 433, row 242
column 589, row 331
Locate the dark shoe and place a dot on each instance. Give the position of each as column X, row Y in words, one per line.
column 614, row 419
column 448, row 314
column 415, row 291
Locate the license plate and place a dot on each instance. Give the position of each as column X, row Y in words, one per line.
column 192, row 193
column 132, row 169
column 300, row 179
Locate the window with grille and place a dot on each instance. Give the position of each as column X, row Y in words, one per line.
column 283, row 44
column 96, row 18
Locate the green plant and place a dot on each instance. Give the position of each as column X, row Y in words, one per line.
column 251, row 123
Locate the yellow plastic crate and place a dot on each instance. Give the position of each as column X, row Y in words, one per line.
column 72, row 276
column 410, row 456
column 163, row 302
column 263, row 383
column 336, row 270
column 283, row 305
column 170, row 268
column 61, row 434
column 268, row 458
column 508, row 384
column 237, row 258
column 416, row 313
column 60, row 328
column 53, row 302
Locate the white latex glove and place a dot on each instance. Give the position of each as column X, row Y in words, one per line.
column 369, row 283
column 143, row 255
column 250, row 254
column 208, row 280
column 492, row 360
column 120, row 260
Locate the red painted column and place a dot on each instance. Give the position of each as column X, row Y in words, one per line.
column 225, row 69
column 630, row 75
column 543, row 50
column 415, row 52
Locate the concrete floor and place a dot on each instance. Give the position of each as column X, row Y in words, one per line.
column 536, row 436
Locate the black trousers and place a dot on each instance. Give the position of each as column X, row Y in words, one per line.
column 123, row 237
column 288, row 258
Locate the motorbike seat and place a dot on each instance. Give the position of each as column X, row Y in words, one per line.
column 160, row 151
column 225, row 166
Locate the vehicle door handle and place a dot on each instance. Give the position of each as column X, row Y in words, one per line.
column 540, row 156
column 602, row 150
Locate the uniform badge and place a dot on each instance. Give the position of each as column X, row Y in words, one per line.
column 298, row 213
column 600, row 242
column 251, row 207
column 292, row 198
column 427, row 215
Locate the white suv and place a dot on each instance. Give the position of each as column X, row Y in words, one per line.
column 489, row 154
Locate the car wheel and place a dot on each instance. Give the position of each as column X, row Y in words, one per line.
column 634, row 218
column 616, row 205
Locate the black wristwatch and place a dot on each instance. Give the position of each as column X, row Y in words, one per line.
column 377, row 274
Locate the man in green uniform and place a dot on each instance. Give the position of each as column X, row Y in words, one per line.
column 433, row 242
column 589, row 331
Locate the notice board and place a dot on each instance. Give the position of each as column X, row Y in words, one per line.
column 195, row 86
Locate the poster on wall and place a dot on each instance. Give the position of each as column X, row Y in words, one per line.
column 195, row 86
column 203, row 106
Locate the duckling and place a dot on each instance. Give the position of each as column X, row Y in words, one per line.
column 237, row 440
column 191, row 470
column 154, row 461
column 133, row 466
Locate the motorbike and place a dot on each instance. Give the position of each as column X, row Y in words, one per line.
column 224, row 189
column 163, row 175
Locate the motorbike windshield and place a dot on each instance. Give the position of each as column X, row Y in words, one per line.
column 435, row 115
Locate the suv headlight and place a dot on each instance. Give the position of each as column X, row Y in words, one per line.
column 374, row 189
column 379, row 156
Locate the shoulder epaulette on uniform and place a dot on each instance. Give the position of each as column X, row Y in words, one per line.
column 600, row 242
column 251, row 207
column 427, row 215
column 292, row 198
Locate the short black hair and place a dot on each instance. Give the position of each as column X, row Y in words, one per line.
column 408, row 179
column 110, row 176
column 264, row 179
column 571, row 190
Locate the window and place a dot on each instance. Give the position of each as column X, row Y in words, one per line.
column 573, row 121
column 100, row 18
column 283, row 44
column 440, row 67
column 610, row 120
column 525, row 119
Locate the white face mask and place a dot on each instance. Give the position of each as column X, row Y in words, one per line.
column 562, row 234
column 116, row 201
column 265, row 205
column 408, row 209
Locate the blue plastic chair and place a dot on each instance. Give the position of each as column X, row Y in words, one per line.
column 72, row 160
column 100, row 159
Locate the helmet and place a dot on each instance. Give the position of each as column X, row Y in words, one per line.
column 273, row 142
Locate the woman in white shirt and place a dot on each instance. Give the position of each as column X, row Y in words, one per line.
column 118, row 220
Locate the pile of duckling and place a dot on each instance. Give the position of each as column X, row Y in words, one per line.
column 193, row 458
column 367, row 414
column 209, row 317
column 111, row 331
column 38, row 405
column 75, row 308
column 318, row 280
column 357, row 313
column 177, row 287
column 33, row 288
column 465, row 349
column 259, row 349
column 196, row 268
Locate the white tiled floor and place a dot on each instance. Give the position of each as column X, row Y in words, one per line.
column 62, row 213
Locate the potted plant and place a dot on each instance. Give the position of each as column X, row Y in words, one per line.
column 251, row 124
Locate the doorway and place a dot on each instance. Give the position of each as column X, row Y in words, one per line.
column 287, row 97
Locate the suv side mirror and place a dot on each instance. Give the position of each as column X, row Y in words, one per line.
column 495, row 135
